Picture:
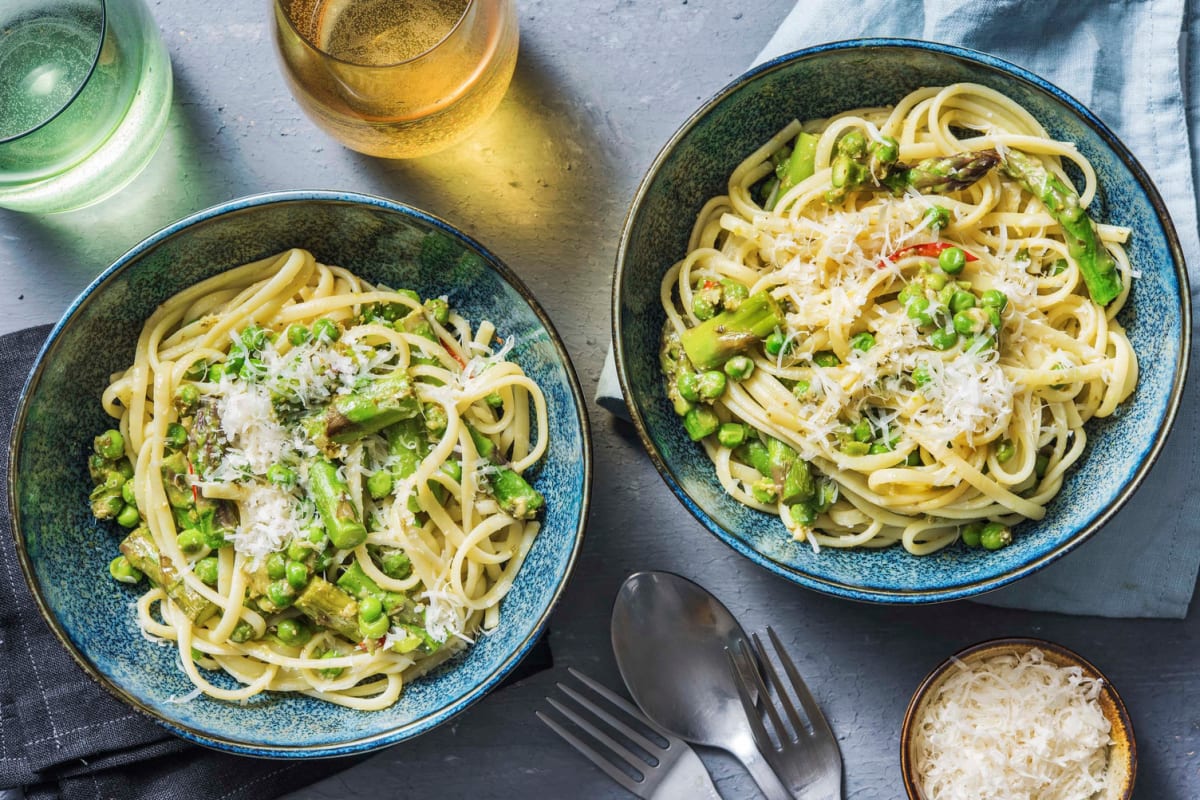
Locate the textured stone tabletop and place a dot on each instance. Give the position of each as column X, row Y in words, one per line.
column 600, row 86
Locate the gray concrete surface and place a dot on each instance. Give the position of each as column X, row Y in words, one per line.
column 600, row 85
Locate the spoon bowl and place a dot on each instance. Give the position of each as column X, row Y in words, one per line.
column 670, row 638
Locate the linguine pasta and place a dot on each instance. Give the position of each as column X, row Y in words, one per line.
column 922, row 346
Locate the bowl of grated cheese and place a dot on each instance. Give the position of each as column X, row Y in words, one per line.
column 1017, row 719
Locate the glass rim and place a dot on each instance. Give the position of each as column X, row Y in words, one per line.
column 280, row 6
column 82, row 84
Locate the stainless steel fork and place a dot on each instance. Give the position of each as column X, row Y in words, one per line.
column 673, row 772
column 805, row 757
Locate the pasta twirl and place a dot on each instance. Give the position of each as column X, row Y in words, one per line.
column 896, row 323
column 322, row 478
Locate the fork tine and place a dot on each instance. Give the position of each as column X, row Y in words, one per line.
column 819, row 724
column 641, row 741
column 753, row 657
column 781, row 691
column 621, row 703
column 587, row 750
column 631, row 758
column 756, row 725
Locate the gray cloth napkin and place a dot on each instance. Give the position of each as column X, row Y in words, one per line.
column 62, row 736
column 1126, row 61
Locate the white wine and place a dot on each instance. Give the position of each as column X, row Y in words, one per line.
column 398, row 78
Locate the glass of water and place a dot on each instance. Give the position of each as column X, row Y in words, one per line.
column 85, row 92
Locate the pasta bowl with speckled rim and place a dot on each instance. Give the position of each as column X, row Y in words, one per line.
column 65, row 552
column 695, row 165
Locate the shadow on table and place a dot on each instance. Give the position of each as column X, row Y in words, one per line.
column 531, row 177
column 185, row 175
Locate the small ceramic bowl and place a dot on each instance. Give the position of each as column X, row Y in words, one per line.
column 1122, row 753
column 65, row 552
column 695, row 165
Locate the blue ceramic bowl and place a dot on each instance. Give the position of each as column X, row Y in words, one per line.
column 695, row 165
column 65, row 552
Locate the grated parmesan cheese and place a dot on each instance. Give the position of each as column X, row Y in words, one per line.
column 268, row 520
column 1013, row 728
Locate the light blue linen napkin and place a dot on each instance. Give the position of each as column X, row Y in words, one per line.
column 1129, row 63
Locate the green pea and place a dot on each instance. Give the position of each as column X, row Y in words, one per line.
column 293, row 632
column 315, row 534
column 935, row 281
column 330, row 672
column 862, row 430
column 186, row 397
column 993, row 315
column 734, row 292
column 281, row 593
column 862, row 341
column 937, row 217
column 207, row 570
column 803, row 513
column 702, row 307
column 826, row 358
column 764, row 491
column 196, row 370
column 114, row 480
column 918, row 309
column 380, row 484
column 177, row 436
column 914, row 459
column 773, row 344
column 374, row 629
column 127, row 494
column 921, row 376
column 952, row 260
column 943, row 338
column 961, row 301
column 1005, row 450
column 242, row 632
column 494, row 400
column 369, row 608
column 453, row 468
column 297, row 550
column 801, row 388
column 995, row 536
column 880, row 447
column 281, row 475
column 966, row 324
column 994, row 298
column 276, row 566
column 710, row 385
column 688, row 385
column 197, row 655
column 910, row 292
column 123, row 571
column 191, row 540
column 125, row 467
column 887, row 150
column 946, row 295
column 739, row 368
column 298, row 334
column 215, row 373
column 731, row 434
column 128, row 517
column 110, row 444
column 1041, row 464
column 971, row 534
column 325, row 329
column 395, row 564
column 297, row 574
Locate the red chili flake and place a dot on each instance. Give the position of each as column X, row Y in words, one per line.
column 192, row 472
column 453, row 354
column 925, row 250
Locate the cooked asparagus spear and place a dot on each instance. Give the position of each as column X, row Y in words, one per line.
column 332, row 497
column 514, row 494
column 1083, row 242
column 859, row 166
column 139, row 548
column 713, row 342
column 379, row 404
column 329, row 607
column 799, row 165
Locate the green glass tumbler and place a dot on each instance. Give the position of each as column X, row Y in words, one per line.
column 85, row 92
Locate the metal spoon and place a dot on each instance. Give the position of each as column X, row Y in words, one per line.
column 670, row 638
